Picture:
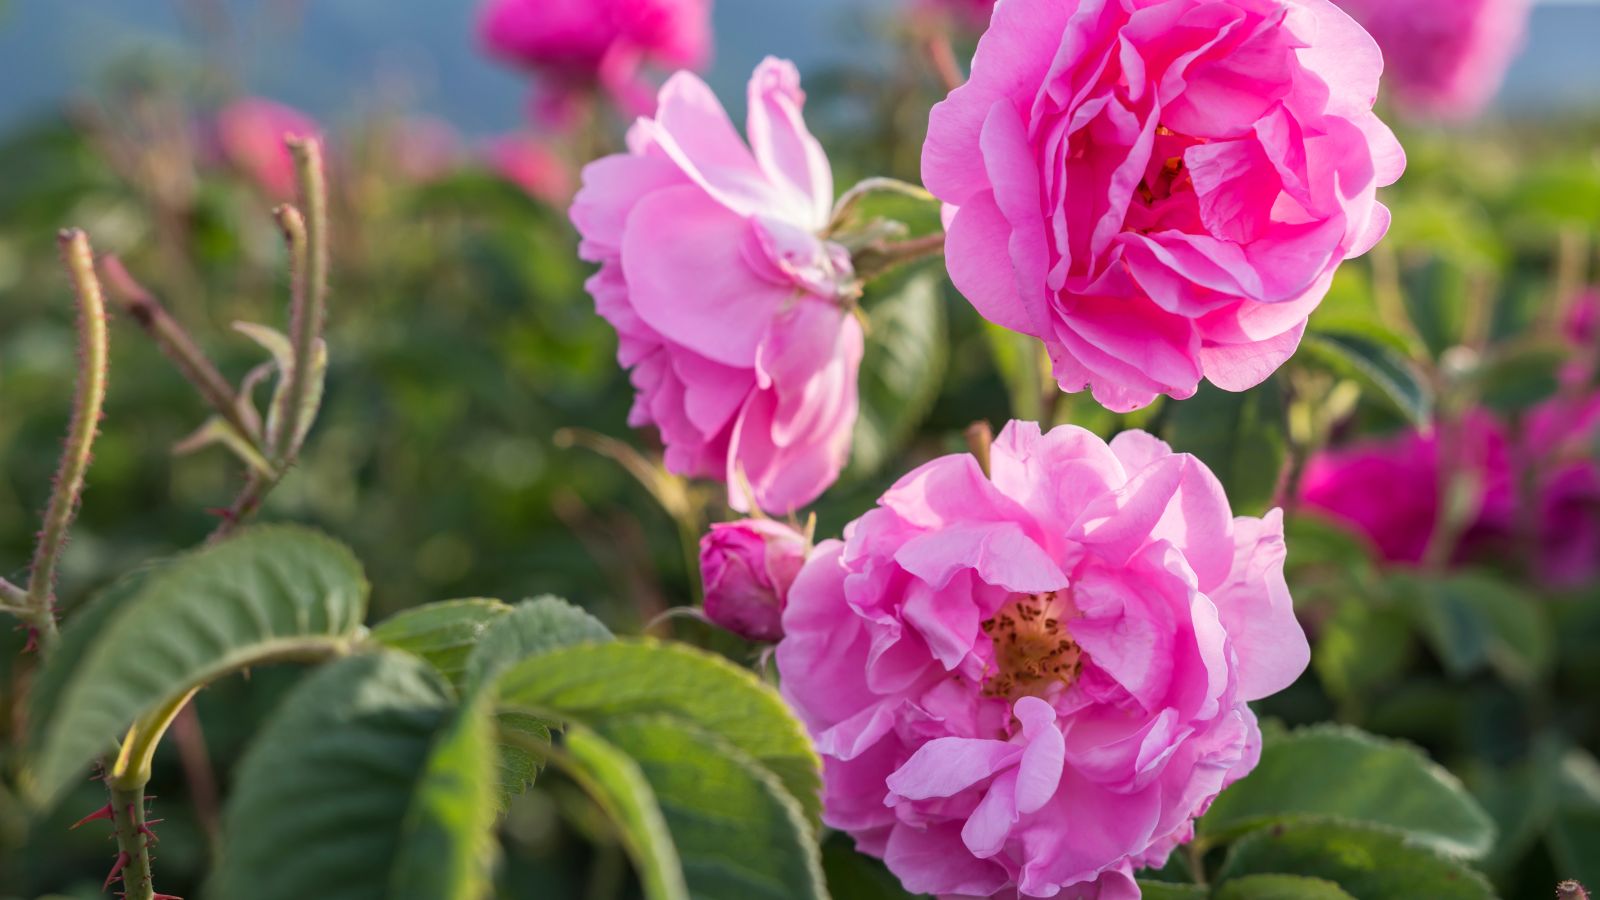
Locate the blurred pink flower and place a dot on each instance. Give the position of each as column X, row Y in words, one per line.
column 1161, row 192
column 747, row 568
column 1561, row 455
column 1390, row 489
column 249, row 135
column 732, row 312
column 972, row 13
column 422, row 148
column 1446, row 58
column 530, row 163
column 1031, row 684
column 580, row 43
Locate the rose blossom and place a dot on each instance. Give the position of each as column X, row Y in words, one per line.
column 1446, row 58
column 576, row 43
column 1031, row 684
column 1388, row 489
column 731, row 311
column 249, row 135
column 1560, row 439
column 747, row 568
column 1161, row 191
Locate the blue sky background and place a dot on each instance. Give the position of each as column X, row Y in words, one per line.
column 350, row 56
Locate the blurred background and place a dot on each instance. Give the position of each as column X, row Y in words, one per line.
column 464, row 352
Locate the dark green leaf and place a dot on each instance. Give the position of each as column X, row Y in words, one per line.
column 1335, row 772
column 365, row 777
column 1243, row 438
column 856, row 876
column 1574, row 834
column 1368, row 863
column 441, row 633
column 901, row 370
column 1376, row 365
column 593, row 683
column 533, row 627
column 269, row 593
column 1471, row 620
column 619, row 786
column 1167, row 890
column 1280, row 887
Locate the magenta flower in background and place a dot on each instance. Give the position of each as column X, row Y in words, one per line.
column 747, row 568
column 248, row 135
column 1161, row 191
column 1446, row 58
column 1032, row 683
column 578, row 44
column 972, row 13
column 532, row 164
column 732, row 312
column 1389, row 489
column 1560, row 440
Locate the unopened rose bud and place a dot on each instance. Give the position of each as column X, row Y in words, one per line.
column 747, row 567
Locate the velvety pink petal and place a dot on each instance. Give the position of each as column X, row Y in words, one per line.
column 1256, row 611
column 944, row 767
column 783, row 145
column 933, row 860
column 1002, row 554
column 1040, row 771
column 978, row 250
column 694, row 131
column 986, row 830
column 687, row 278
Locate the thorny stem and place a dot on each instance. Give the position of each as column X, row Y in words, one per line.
column 12, row 596
column 877, row 260
column 175, row 342
column 847, row 203
column 86, row 410
column 133, row 842
column 943, row 57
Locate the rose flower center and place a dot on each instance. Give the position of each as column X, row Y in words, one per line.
column 1033, row 649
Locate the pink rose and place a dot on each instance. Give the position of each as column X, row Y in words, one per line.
column 1034, row 682
column 1389, row 489
column 1161, row 191
column 1560, row 438
column 974, row 13
column 731, row 311
column 747, row 567
column 249, row 135
column 577, row 43
column 1446, row 58
column 531, row 164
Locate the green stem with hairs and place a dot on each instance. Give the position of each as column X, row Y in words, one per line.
column 86, row 410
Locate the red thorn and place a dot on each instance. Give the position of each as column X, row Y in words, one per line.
column 116, row 870
column 221, row 512
column 32, row 646
column 144, row 829
column 165, row 897
column 104, row 812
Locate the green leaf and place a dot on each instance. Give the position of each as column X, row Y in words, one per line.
column 1472, row 620
column 1280, row 887
column 902, row 368
column 518, row 733
column 533, row 627
column 367, row 783
column 593, row 683
column 1336, row 772
column 853, row 875
column 270, row 593
column 1242, row 437
column 737, row 831
column 1369, row 863
column 1376, row 365
column 441, row 633
column 619, row 786
column 1166, row 890
column 1574, row 831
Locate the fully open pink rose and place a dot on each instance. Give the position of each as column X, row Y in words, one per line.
column 578, row 43
column 747, row 568
column 732, row 312
column 1389, row 489
column 249, row 134
column 1446, row 58
column 1161, row 191
column 1031, row 684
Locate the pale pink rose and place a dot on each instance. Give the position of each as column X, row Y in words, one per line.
column 249, row 136
column 1389, row 489
column 747, row 568
column 532, row 164
column 1561, row 452
column 1033, row 683
column 732, row 312
column 1446, row 58
column 577, row 44
column 1161, row 191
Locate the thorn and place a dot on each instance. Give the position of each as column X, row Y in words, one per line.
column 221, row 512
column 144, row 829
column 104, row 812
column 165, row 897
column 116, row 870
column 32, row 646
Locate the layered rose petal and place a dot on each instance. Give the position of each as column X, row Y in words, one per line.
column 730, row 309
column 1161, row 191
column 988, row 662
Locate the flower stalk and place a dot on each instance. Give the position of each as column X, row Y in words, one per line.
column 87, row 406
